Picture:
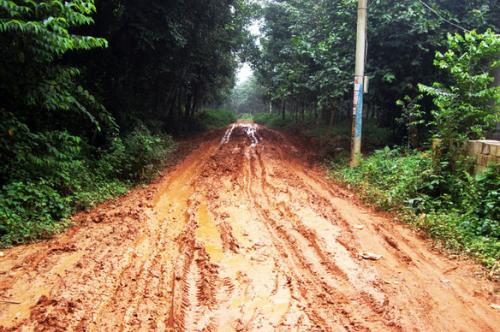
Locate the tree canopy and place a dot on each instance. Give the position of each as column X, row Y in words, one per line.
column 307, row 54
column 88, row 90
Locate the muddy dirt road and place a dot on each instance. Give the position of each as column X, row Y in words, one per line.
column 242, row 235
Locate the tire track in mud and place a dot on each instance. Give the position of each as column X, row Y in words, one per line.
column 196, row 280
column 297, row 262
column 399, row 245
column 312, row 314
column 243, row 235
column 320, row 270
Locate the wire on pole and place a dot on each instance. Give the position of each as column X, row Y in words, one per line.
column 441, row 17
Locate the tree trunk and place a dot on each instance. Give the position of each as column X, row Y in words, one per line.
column 283, row 109
column 332, row 116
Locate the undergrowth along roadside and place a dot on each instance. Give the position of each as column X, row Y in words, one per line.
column 461, row 212
column 53, row 175
column 246, row 116
column 215, row 118
column 330, row 140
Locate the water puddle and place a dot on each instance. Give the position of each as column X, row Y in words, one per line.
column 250, row 130
column 227, row 134
column 209, row 234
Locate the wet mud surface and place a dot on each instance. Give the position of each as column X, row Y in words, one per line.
column 242, row 235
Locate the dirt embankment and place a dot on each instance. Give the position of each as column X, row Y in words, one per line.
column 242, row 235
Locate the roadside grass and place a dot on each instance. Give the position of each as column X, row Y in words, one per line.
column 246, row 117
column 49, row 187
column 211, row 118
column 54, row 174
column 329, row 140
column 461, row 212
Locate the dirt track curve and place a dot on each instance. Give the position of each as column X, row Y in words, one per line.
column 242, row 235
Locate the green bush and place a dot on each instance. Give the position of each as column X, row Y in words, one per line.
column 29, row 210
column 437, row 193
column 374, row 137
column 467, row 104
column 264, row 118
column 329, row 138
column 275, row 121
column 246, row 116
column 462, row 212
column 137, row 157
column 403, row 179
column 52, row 155
column 480, row 196
column 146, row 154
column 48, row 177
column 216, row 118
column 99, row 190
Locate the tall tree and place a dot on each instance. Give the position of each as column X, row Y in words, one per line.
column 308, row 46
column 166, row 58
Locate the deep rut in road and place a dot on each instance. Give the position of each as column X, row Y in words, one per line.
column 242, row 235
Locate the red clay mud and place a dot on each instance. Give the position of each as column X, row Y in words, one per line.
column 242, row 235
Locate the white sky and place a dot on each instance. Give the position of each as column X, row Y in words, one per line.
column 244, row 71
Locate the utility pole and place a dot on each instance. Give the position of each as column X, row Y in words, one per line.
column 359, row 75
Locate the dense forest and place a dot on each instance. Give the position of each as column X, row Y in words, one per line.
column 306, row 58
column 90, row 90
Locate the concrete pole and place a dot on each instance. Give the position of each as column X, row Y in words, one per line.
column 357, row 109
